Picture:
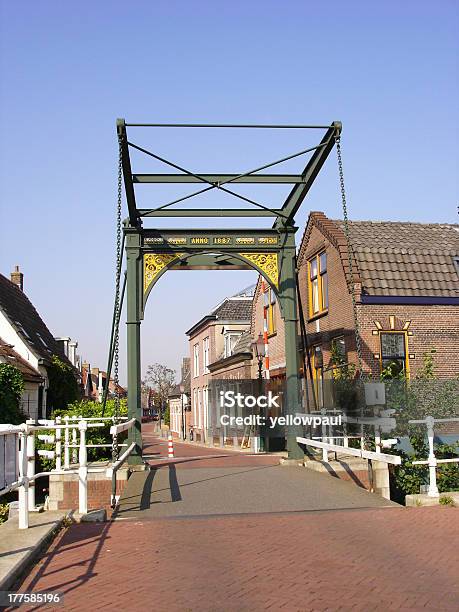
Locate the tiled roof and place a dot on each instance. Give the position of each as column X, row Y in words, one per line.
column 395, row 258
column 20, row 311
column 233, row 309
column 415, row 259
column 10, row 356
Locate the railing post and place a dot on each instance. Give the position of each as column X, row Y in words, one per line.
column 345, row 438
column 23, row 493
column 324, row 436
column 74, row 444
column 66, row 443
column 83, row 470
column 433, row 489
column 30, row 448
column 378, row 439
column 58, row 444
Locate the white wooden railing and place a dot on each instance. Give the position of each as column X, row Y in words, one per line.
column 432, row 461
column 326, row 442
column 21, row 454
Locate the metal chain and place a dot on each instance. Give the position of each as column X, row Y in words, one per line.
column 116, row 411
column 358, row 342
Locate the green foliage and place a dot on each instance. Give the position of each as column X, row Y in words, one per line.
column 427, row 372
column 416, row 399
column 167, row 415
column 11, row 388
column 345, row 389
column 446, row 500
column 63, row 385
column 3, row 513
column 408, row 477
column 96, row 435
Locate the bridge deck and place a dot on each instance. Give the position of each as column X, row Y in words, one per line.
column 233, row 484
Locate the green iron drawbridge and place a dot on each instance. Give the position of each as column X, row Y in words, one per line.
column 271, row 252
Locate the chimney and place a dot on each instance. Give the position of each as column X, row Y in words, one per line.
column 17, row 278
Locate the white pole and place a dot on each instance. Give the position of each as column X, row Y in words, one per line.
column 24, row 489
column 74, row 442
column 30, row 446
column 66, row 443
column 433, row 489
column 58, row 444
column 324, row 436
column 346, row 439
column 378, row 439
column 83, row 470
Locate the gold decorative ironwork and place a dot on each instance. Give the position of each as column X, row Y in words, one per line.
column 267, row 262
column 153, row 263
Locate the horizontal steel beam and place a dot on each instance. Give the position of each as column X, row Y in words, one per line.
column 212, row 240
column 209, row 212
column 218, row 178
column 229, row 125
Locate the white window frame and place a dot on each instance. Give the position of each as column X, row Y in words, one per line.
column 205, row 403
column 206, row 351
column 227, row 342
column 195, row 406
column 199, row 409
column 196, row 360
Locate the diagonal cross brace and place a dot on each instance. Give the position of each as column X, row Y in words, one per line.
column 299, row 191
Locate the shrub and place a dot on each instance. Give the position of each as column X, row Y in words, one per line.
column 4, row 509
column 11, row 388
column 63, row 385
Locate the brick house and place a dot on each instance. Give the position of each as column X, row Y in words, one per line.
column 211, row 339
column 94, row 383
column 406, row 286
column 179, row 403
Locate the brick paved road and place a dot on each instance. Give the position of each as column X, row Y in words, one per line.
column 369, row 560
column 189, row 551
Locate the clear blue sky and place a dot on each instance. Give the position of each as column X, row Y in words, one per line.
column 387, row 70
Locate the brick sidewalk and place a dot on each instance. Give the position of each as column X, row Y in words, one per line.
column 369, row 560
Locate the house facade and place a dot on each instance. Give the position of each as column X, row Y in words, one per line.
column 180, row 403
column 94, row 383
column 27, row 343
column 211, row 339
column 406, row 287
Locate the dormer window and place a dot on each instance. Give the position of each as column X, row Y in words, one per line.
column 230, row 340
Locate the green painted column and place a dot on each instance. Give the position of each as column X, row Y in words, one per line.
column 133, row 295
column 289, row 310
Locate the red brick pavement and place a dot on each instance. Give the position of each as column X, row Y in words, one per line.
column 158, row 446
column 369, row 560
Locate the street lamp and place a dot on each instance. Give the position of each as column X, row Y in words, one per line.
column 260, row 352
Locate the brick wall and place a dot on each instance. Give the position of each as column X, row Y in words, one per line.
column 276, row 342
column 63, row 491
column 432, row 327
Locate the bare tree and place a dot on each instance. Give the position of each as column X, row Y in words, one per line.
column 162, row 379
